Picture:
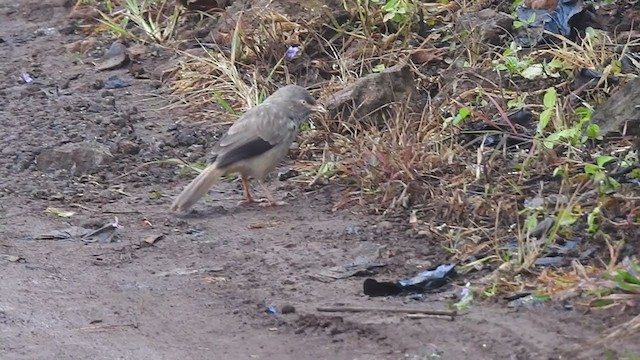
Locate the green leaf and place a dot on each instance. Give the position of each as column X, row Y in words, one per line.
column 541, row 297
column 388, row 16
column 591, row 169
column 60, row 212
column 378, row 68
column 628, row 277
column 601, row 303
column 327, row 169
column 593, row 132
column 556, row 64
column 583, row 112
column 155, row 195
column 566, row 217
column 616, row 67
column 603, row 160
column 550, row 98
column 545, row 117
column 531, row 222
column 531, row 18
column 533, row 72
column 558, row 171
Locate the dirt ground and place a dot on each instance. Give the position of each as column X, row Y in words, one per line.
column 201, row 291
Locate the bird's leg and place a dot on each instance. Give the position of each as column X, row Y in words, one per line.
column 247, row 193
column 271, row 200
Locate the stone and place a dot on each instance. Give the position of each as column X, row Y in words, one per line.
column 115, row 57
column 486, row 26
column 620, row 114
column 77, row 158
column 128, row 147
column 366, row 96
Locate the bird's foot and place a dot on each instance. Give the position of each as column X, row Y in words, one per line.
column 246, row 202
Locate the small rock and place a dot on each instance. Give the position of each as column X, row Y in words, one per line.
column 352, row 230
column 114, row 82
column 185, row 137
column 82, row 46
column 77, row 158
column 97, row 85
column 115, row 57
column 128, row 147
column 385, row 225
column 621, row 112
column 485, row 26
column 110, row 101
column 84, row 13
column 165, row 70
column 137, row 71
column 369, row 94
column 288, row 309
column 136, row 51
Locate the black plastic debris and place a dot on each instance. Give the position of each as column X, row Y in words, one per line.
column 114, row 82
column 425, row 281
column 560, row 20
column 562, row 255
column 555, row 254
column 104, row 234
column 291, row 173
column 493, row 132
column 584, row 76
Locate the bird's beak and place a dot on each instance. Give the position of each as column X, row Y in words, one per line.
column 319, row 108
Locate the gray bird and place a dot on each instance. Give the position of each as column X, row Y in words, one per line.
column 255, row 144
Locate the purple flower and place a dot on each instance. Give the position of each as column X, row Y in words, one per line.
column 291, row 52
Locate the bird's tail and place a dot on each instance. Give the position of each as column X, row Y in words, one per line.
column 197, row 188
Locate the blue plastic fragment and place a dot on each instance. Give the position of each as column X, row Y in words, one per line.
column 439, row 273
column 555, row 21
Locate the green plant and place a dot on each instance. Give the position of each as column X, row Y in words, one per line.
column 592, row 220
column 140, row 13
column 525, row 66
column 517, row 24
column 627, row 280
column 598, row 174
column 462, row 114
column 399, row 11
column 572, row 135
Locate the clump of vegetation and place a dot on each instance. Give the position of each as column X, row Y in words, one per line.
column 512, row 195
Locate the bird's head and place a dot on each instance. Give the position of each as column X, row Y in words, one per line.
column 297, row 99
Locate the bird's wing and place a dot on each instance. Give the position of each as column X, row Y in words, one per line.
column 256, row 132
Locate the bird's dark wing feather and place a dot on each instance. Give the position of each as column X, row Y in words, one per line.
column 247, row 150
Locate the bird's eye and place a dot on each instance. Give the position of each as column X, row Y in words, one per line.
column 303, row 101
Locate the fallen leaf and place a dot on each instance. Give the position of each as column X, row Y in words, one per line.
column 423, row 56
column 60, row 212
column 153, row 238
